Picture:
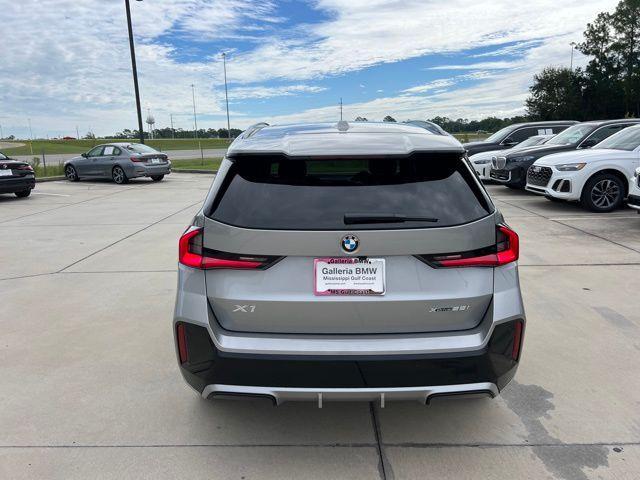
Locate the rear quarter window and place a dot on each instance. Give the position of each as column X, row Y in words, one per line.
column 277, row 193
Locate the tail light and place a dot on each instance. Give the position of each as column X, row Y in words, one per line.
column 137, row 159
column 24, row 167
column 192, row 253
column 506, row 250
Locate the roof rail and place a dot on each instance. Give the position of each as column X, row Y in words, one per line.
column 254, row 128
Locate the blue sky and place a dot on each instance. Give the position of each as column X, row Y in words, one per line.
column 288, row 61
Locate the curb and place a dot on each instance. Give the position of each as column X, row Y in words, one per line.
column 184, row 170
column 50, row 179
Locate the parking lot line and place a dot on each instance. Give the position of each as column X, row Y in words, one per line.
column 89, row 360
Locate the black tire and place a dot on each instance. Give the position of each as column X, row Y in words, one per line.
column 71, row 173
column 157, row 178
column 602, row 193
column 118, row 175
column 23, row 193
column 516, row 186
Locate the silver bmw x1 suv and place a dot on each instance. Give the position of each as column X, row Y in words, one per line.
column 347, row 262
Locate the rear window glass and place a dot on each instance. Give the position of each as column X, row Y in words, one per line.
column 381, row 193
column 140, row 148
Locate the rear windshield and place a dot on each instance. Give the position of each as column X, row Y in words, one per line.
column 140, row 148
column 282, row 194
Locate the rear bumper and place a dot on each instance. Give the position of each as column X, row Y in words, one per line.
column 299, row 367
column 150, row 170
column 12, row 185
column 486, row 370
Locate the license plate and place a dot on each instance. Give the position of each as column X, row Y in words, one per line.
column 6, row 173
column 349, row 276
column 155, row 160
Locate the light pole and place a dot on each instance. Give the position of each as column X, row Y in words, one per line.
column 195, row 118
column 30, row 131
column 135, row 69
column 173, row 132
column 573, row 46
column 226, row 94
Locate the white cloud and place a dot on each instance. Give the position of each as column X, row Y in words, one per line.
column 242, row 93
column 434, row 85
column 66, row 62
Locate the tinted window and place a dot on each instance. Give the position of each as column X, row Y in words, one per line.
column 274, row 193
column 521, row 134
column 604, row 132
column 628, row 139
column 500, row 134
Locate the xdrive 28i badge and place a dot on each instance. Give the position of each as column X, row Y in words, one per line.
column 350, row 243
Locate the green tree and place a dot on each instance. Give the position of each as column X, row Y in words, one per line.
column 556, row 94
column 625, row 22
column 613, row 73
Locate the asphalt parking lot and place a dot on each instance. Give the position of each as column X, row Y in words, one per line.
column 89, row 386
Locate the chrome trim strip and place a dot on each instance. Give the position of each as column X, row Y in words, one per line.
column 420, row 394
column 635, row 207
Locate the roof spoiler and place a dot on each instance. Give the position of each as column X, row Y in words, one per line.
column 253, row 129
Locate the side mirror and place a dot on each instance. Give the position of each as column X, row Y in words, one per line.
column 85, row 155
column 509, row 142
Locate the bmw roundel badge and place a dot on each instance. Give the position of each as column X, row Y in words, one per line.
column 350, row 243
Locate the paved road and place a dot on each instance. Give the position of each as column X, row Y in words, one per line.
column 89, row 386
column 173, row 154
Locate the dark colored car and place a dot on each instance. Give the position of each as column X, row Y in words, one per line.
column 16, row 177
column 512, row 135
column 511, row 169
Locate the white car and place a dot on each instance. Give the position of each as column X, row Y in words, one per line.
column 482, row 161
column 633, row 200
column 598, row 177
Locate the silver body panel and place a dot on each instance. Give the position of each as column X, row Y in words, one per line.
column 192, row 306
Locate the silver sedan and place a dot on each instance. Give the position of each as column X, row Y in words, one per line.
column 120, row 162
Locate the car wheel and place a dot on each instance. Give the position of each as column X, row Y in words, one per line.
column 602, row 193
column 157, row 178
column 71, row 173
column 118, row 175
column 23, row 193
